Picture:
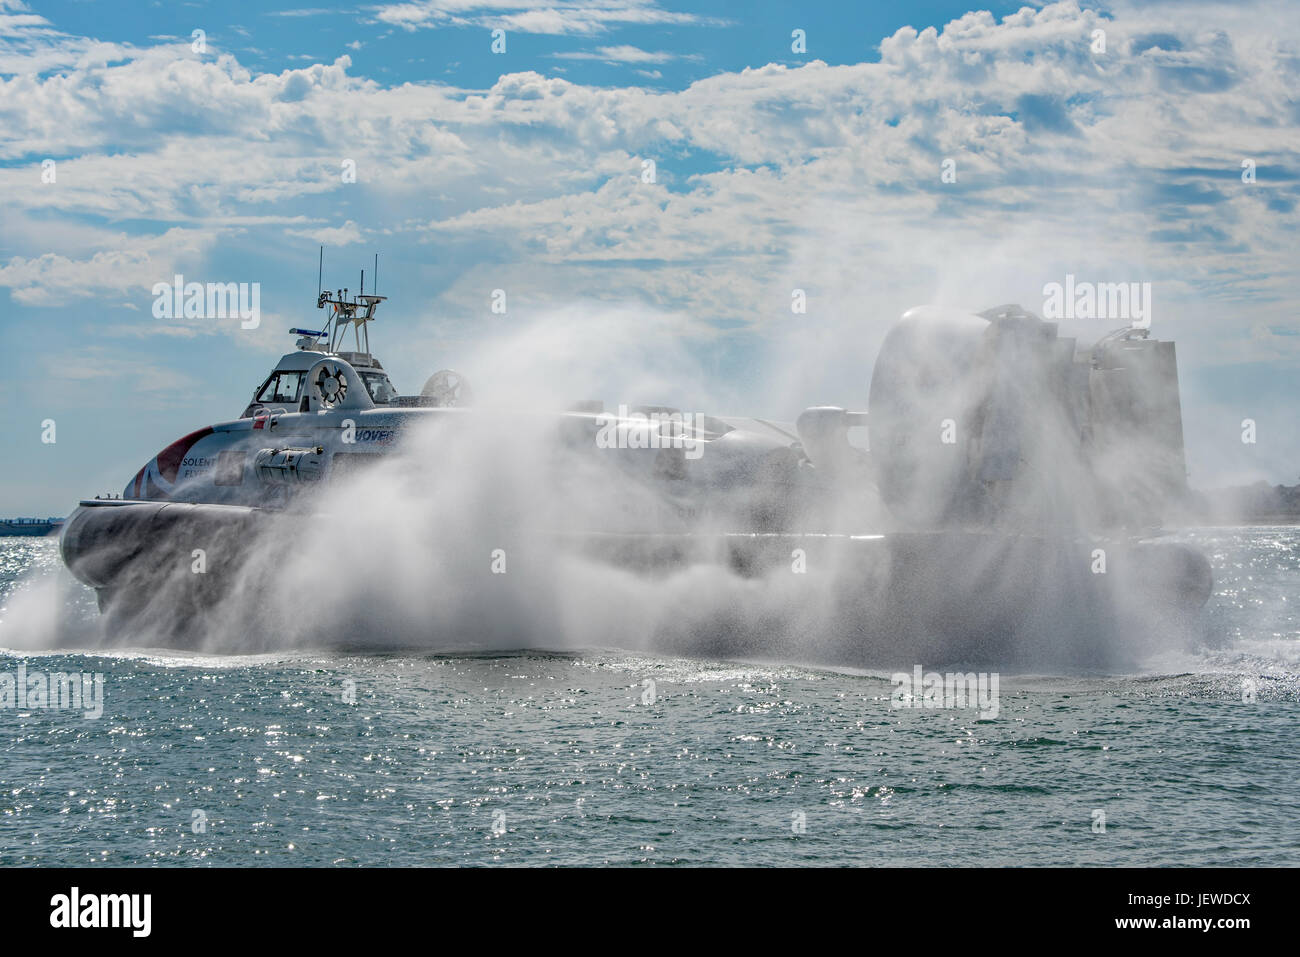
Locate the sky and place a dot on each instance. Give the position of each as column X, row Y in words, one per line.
column 136, row 148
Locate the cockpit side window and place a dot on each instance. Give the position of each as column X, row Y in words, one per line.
column 282, row 387
column 380, row 388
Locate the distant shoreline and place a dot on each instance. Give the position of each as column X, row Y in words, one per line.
column 1257, row 504
column 27, row 527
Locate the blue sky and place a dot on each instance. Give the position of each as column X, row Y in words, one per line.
column 709, row 37
column 522, row 170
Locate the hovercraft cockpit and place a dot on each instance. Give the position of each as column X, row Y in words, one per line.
column 284, row 390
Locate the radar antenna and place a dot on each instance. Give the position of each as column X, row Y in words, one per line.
column 347, row 311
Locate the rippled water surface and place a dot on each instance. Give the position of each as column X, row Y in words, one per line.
column 609, row 757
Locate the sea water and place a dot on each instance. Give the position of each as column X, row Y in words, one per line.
column 601, row 756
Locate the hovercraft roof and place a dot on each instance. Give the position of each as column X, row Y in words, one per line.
column 304, row 359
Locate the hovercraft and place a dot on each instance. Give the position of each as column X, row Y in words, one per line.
column 1003, row 482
